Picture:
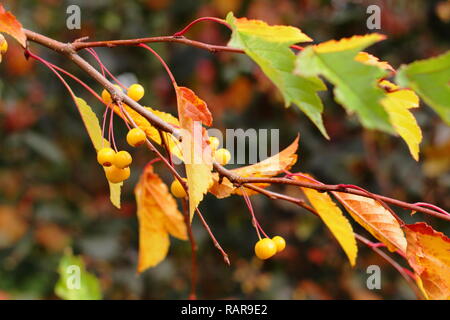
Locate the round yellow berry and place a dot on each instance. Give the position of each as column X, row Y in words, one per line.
column 222, row 156
column 105, row 156
column 214, row 143
column 122, row 159
column 265, row 248
column 3, row 45
column 106, row 96
column 136, row 92
column 279, row 242
column 116, row 175
column 177, row 189
column 136, row 137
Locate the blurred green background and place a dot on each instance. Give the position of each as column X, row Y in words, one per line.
column 53, row 194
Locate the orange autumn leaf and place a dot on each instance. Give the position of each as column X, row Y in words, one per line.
column 193, row 113
column 333, row 218
column 269, row 167
column 10, row 25
column 428, row 253
column 374, row 218
column 158, row 217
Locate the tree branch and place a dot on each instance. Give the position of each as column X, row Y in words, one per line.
column 70, row 50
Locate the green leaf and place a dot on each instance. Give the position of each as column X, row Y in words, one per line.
column 431, row 80
column 94, row 130
column 269, row 46
column 355, row 82
column 75, row 283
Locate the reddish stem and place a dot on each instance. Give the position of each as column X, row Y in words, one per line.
column 297, row 47
column 172, row 78
column 431, row 206
column 189, row 26
column 254, row 220
column 104, row 68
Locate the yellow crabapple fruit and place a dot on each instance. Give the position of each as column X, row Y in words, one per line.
column 136, row 137
column 265, row 248
column 105, row 156
column 122, row 159
column 116, row 175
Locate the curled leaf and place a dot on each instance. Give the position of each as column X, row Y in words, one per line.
column 269, row 167
column 10, row 25
column 428, row 253
column 193, row 113
column 158, row 217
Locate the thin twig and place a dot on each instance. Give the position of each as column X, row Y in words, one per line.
column 213, row 238
column 194, row 274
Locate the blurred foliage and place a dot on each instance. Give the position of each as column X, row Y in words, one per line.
column 53, row 195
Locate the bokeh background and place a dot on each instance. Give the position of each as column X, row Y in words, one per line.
column 53, row 194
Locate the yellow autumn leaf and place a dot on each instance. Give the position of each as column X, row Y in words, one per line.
column 334, row 219
column 150, row 130
column 158, row 217
column 374, row 218
column 428, row 253
column 269, row 167
column 397, row 104
column 348, row 43
column 94, row 130
column 193, row 113
column 276, row 33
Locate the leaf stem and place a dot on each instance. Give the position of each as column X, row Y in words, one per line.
column 190, row 25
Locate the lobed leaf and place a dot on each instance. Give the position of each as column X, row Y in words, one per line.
column 374, row 218
column 334, row 219
column 431, row 80
column 158, row 217
column 428, row 253
column 268, row 46
column 355, row 82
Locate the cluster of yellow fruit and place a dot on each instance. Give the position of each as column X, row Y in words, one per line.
column 267, row 248
column 117, row 164
column 222, row 156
